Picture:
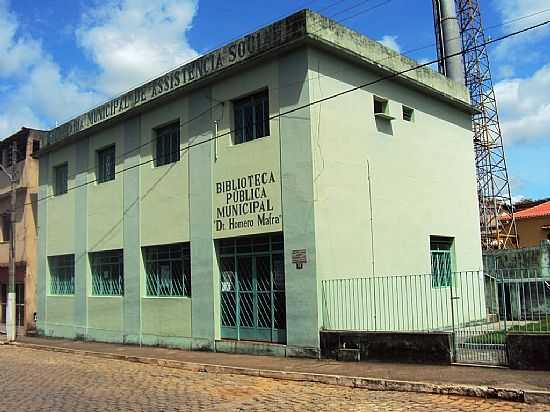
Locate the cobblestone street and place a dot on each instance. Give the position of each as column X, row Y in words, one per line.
column 33, row 380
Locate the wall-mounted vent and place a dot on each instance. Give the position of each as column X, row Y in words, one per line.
column 381, row 108
column 408, row 114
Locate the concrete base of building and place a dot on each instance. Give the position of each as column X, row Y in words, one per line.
column 250, row 348
column 416, row 347
column 528, row 351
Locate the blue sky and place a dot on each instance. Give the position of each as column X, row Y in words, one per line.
column 58, row 58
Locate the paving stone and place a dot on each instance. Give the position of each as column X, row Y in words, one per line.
column 32, row 380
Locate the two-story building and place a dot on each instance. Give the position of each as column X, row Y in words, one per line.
column 204, row 208
column 27, row 142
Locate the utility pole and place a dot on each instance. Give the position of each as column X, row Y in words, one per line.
column 11, row 308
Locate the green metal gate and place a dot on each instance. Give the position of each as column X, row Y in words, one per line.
column 253, row 288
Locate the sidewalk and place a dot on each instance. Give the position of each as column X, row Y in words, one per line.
column 523, row 386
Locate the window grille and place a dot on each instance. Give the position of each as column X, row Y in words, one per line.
column 168, row 144
column 106, row 164
column 442, row 261
column 251, row 116
column 61, row 174
column 107, row 273
column 61, row 275
column 168, row 270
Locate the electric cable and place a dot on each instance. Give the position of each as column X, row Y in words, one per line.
column 315, row 102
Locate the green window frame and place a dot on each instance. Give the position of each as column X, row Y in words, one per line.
column 106, row 159
column 168, row 270
column 168, row 144
column 61, row 175
column 61, row 274
column 251, row 117
column 441, row 252
column 107, row 273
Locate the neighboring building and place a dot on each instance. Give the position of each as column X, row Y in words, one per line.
column 533, row 225
column 206, row 206
column 28, row 142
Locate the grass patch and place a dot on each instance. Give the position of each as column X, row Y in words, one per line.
column 499, row 337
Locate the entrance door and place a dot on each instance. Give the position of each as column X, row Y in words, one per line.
column 3, row 305
column 19, row 305
column 252, row 289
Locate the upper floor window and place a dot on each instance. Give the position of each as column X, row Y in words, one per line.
column 106, row 164
column 35, row 146
column 61, row 175
column 251, row 116
column 441, row 251
column 61, row 274
column 6, row 227
column 168, row 144
column 21, row 152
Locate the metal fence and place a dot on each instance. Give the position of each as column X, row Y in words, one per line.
column 478, row 307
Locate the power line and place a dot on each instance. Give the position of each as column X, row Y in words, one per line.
column 505, row 23
column 124, row 154
column 315, row 102
column 143, row 83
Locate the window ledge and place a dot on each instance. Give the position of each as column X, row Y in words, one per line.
column 156, row 166
column 259, row 139
column 384, row 116
column 166, row 297
column 106, row 296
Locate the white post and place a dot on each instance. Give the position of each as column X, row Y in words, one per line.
column 10, row 317
column 11, row 309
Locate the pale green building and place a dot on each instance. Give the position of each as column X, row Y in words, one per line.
column 203, row 209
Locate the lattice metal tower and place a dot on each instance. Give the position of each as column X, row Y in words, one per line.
column 497, row 224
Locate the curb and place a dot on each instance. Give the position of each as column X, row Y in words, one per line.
column 513, row 395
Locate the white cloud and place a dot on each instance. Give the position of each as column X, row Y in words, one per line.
column 35, row 92
column 521, row 48
column 525, row 107
column 512, row 9
column 16, row 54
column 134, row 40
column 390, row 42
column 129, row 40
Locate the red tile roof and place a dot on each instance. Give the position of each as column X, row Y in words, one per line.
column 536, row 211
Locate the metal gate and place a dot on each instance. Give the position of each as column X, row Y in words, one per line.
column 515, row 300
column 253, row 288
column 478, row 308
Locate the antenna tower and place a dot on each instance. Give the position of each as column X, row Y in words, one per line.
column 497, row 224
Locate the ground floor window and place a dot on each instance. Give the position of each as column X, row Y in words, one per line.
column 253, row 288
column 441, row 251
column 168, row 270
column 61, row 274
column 107, row 273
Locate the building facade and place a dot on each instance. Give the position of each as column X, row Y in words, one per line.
column 204, row 208
column 533, row 225
column 27, row 142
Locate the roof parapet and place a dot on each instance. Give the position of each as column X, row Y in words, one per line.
column 302, row 25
